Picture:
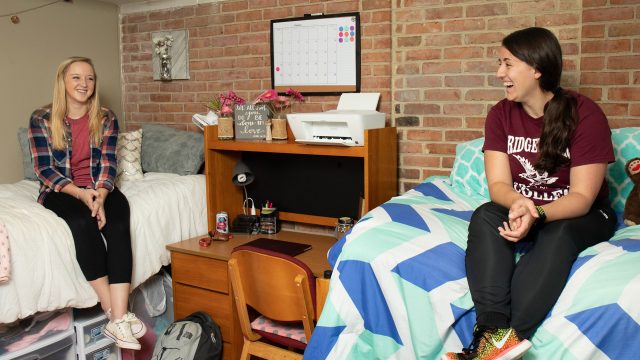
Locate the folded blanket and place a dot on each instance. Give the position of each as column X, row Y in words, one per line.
column 5, row 259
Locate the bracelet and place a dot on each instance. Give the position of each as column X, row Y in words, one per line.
column 542, row 216
column 78, row 193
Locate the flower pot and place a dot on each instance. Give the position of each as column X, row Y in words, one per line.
column 225, row 128
column 279, row 131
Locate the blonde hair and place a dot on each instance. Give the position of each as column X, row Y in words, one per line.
column 59, row 107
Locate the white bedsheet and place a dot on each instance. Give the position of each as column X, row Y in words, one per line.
column 165, row 208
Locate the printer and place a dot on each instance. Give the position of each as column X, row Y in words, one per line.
column 344, row 126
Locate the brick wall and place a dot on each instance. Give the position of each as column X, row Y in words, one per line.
column 432, row 60
column 229, row 50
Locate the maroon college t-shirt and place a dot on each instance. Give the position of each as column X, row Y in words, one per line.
column 509, row 129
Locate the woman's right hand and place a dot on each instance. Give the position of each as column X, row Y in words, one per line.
column 88, row 197
column 522, row 215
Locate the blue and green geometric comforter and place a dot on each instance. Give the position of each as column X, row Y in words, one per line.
column 399, row 289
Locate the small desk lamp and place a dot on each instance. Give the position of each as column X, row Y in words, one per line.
column 242, row 176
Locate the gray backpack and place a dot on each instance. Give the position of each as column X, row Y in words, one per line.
column 196, row 337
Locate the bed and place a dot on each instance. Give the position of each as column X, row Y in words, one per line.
column 165, row 208
column 167, row 205
column 399, row 291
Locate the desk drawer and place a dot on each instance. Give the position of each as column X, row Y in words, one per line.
column 188, row 299
column 200, row 271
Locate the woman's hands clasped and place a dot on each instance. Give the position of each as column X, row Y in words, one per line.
column 522, row 216
column 94, row 199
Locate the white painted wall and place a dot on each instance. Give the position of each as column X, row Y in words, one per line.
column 30, row 52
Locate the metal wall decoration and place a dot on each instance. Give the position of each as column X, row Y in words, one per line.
column 170, row 55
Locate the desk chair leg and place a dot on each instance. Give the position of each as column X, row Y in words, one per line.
column 245, row 351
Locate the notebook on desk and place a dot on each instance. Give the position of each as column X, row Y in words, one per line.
column 281, row 246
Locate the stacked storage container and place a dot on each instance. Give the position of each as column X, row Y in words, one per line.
column 91, row 342
column 44, row 336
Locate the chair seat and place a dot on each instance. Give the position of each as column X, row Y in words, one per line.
column 293, row 331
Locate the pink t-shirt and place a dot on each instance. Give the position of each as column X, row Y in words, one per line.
column 80, row 151
column 509, row 129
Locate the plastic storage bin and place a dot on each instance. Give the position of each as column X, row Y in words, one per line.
column 89, row 324
column 103, row 350
column 59, row 346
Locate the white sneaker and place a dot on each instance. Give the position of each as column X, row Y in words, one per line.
column 120, row 332
column 138, row 329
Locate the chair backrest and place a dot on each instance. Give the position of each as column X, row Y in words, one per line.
column 278, row 286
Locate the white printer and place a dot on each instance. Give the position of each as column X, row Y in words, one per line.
column 343, row 126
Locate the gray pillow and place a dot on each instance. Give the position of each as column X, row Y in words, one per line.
column 171, row 151
column 27, row 166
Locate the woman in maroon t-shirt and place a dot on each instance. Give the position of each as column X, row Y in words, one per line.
column 546, row 152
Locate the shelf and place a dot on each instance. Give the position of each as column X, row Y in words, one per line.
column 377, row 171
column 286, row 147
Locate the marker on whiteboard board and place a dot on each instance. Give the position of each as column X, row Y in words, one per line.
column 314, row 14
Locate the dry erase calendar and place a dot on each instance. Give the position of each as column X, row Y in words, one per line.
column 316, row 53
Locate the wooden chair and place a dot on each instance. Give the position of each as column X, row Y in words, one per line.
column 280, row 288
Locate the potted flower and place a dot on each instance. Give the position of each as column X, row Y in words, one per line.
column 278, row 105
column 223, row 105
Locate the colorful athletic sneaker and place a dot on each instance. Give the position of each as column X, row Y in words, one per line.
column 492, row 344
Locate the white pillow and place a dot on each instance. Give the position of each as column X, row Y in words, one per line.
column 128, row 153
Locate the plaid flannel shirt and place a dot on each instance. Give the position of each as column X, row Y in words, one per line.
column 53, row 167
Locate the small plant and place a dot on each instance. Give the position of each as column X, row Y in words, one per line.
column 278, row 104
column 163, row 44
column 223, row 104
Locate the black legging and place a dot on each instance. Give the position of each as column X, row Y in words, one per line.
column 92, row 255
column 520, row 295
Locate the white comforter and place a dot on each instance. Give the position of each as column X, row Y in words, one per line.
column 165, row 208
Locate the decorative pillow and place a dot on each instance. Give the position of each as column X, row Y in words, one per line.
column 128, row 152
column 171, row 151
column 468, row 168
column 27, row 165
column 626, row 146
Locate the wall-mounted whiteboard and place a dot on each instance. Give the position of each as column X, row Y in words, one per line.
column 316, row 53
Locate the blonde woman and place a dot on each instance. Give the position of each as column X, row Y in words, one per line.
column 73, row 149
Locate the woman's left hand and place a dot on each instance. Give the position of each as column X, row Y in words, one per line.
column 522, row 215
column 102, row 219
column 97, row 210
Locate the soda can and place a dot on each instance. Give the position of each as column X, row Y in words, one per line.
column 222, row 222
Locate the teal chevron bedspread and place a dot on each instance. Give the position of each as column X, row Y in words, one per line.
column 399, row 289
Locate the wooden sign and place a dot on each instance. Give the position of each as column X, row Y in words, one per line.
column 250, row 121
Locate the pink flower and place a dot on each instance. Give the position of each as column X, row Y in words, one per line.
column 226, row 110
column 223, row 104
column 281, row 101
column 266, row 96
column 295, row 95
column 278, row 104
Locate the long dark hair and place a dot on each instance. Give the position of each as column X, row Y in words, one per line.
column 540, row 49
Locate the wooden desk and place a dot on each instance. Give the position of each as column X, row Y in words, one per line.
column 201, row 281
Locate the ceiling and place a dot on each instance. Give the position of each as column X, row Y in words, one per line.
column 128, row 6
column 121, row 2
